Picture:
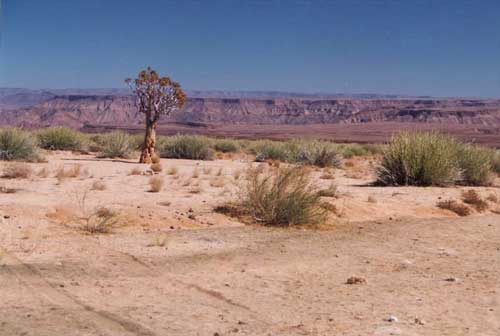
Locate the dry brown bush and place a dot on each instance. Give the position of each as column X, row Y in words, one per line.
column 17, row 170
column 155, row 158
column 98, row 185
column 492, row 198
column 72, row 172
column 5, row 190
column 172, row 171
column 455, row 206
column 156, row 167
column 331, row 191
column 473, row 198
column 156, row 183
column 136, row 171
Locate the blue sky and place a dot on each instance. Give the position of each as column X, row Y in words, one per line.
column 413, row 47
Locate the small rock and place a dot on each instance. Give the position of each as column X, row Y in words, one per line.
column 392, row 318
column 355, row 280
column 451, row 279
column 6, row 216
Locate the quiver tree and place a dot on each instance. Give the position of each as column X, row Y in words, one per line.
column 154, row 96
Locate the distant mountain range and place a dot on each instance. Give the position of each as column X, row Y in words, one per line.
column 84, row 108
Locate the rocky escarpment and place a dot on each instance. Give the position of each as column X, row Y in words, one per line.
column 80, row 110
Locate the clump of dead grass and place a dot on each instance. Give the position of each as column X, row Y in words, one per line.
column 99, row 186
column 281, row 197
column 455, row 206
column 156, row 184
column 172, row 171
column 475, row 200
column 17, row 170
column 136, row 171
column 156, row 167
column 331, row 191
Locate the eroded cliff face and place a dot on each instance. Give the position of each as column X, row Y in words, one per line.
column 77, row 111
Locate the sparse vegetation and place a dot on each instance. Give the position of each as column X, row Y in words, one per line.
column 455, row 206
column 60, row 138
column 102, row 220
column 156, row 183
column 186, row 147
column 283, row 197
column 475, row 200
column 115, row 145
column 18, row 145
column 71, row 172
column 17, row 170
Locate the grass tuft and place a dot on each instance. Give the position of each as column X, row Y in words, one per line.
column 16, row 144
column 60, row 138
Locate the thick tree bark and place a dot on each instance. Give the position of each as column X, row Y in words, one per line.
column 148, row 147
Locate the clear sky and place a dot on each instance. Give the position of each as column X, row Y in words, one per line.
column 413, row 47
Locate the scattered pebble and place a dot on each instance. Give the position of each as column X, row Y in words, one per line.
column 392, row 318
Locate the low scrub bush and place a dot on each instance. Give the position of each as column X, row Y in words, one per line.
column 268, row 150
column 455, row 206
column 16, row 144
column 317, row 153
column 496, row 162
column 115, row 145
column 476, row 165
column 60, row 138
column 186, row 147
column 420, row 159
column 226, row 146
column 350, row 150
column 282, row 197
column 472, row 198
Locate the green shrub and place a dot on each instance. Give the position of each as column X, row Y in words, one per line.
column 226, row 146
column 136, row 141
column 282, row 197
column 114, row 145
column 186, row 147
column 496, row 162
column 420, row 159
column 476, row 165
column 268, row 150
column 351, row 150
column 317, row 153
column 60, row 138
column 16, row 144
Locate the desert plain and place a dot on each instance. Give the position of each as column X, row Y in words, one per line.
column 387, row 261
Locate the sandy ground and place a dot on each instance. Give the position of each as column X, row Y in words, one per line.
column 173, row 267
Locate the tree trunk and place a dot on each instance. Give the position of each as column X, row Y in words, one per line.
column 148, row 147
